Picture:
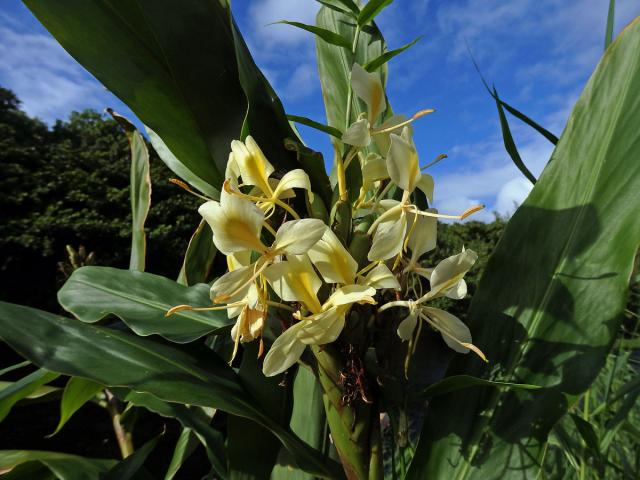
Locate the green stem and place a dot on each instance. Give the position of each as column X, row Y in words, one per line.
column 123, row 437
column 350, row 426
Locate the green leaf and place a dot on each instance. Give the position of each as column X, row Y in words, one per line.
column 509, row 143
column 114, row 359
column 334, row 132
column 197, row 266
column 185, row 446
column 326, row 35
column 370, row 10
column 130, row 466
column 141, row 300
column 27, row 386
column 17, row 366
column 140, row 194
column 62, row 465
column 145, row 53
column 350, row 5
column 552, row 296
column 77, row 392
column 194, row 420
column 611, row 15
column 308, row 421
column 386, row 56
column 459, row 382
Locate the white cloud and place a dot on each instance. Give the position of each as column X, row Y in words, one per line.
column 47, row 80
column 302, row 82
column 264, row 12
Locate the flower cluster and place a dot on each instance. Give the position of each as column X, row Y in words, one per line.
column 302, row 267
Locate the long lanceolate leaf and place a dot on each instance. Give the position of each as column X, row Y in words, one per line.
column 552, row 296
column 141, row 300
column 114, row 358
column 140, row 195
column 608, row 36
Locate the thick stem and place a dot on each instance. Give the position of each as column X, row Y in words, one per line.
column 123, row 437
column 350, row 426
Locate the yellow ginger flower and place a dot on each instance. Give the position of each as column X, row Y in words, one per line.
column 446, row 280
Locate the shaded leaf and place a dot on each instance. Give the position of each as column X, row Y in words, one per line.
column 334, row 132
column 326, row 35
column 62, row 465
column 371, row 9
column 77, row 392
column 197, row 266
column 130, row 466
column 27, row 386
column 459, row 382
column 552, row 296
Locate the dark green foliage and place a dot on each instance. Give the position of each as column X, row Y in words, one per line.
column 69, row 185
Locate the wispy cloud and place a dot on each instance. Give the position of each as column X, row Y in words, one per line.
column 47, row 80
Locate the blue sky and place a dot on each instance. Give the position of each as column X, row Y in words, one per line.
column 539, row 54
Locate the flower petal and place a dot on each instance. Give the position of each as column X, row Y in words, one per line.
column 407, row 326
column 381, row 277
column 389, row 237
column 368, row 87
column 297, row 178
column 296, row 237
column 454, row 332
column 422, row 234
column 450, row 271
column 253, row 166
column 351, row 294
column 284, row 352
column 323, row 328
column 382, row 140
column 236, row 282
column 333, row 261
column 358, row 134
column 374, row 168
column 295, row 280
column 402, row 162
column 426, row 185
column 236, row 223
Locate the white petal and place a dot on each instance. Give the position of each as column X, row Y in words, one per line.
column 297, row 178
column 458, row 291
column 324, row 328
column 229, row 283
column 295, row 280
column 298, row 236
column 351, row 294
column 422, row 234
column 357, row 134
column 453, row 331
column 381, row 277
column 333, row 261
column 382, row 140
column 407, row 326
column 450, row 271
column 232, row 172
column 403, row 164
column 374, row 168
column 388, row 237
column 238, row 259
column 284, row 352
column 368, row 87
column 253, row 166
column 426, row 185
column 236, row 223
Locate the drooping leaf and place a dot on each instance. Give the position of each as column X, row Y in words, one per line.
column 140, row 195
column 17, row 366
column 349, row 5
column 459, row 382
column 334, row 132
column 114, row 358
column 549, row 304
column 386, row 56
column 371, row 9
column 194, row 419
column 324, row 34
column 197, row 266
column 185, row 446
column 13, row 392
column 141, row 300
column 509, row 143
column 62, row 465
column 77, row 392
column 130, row 466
